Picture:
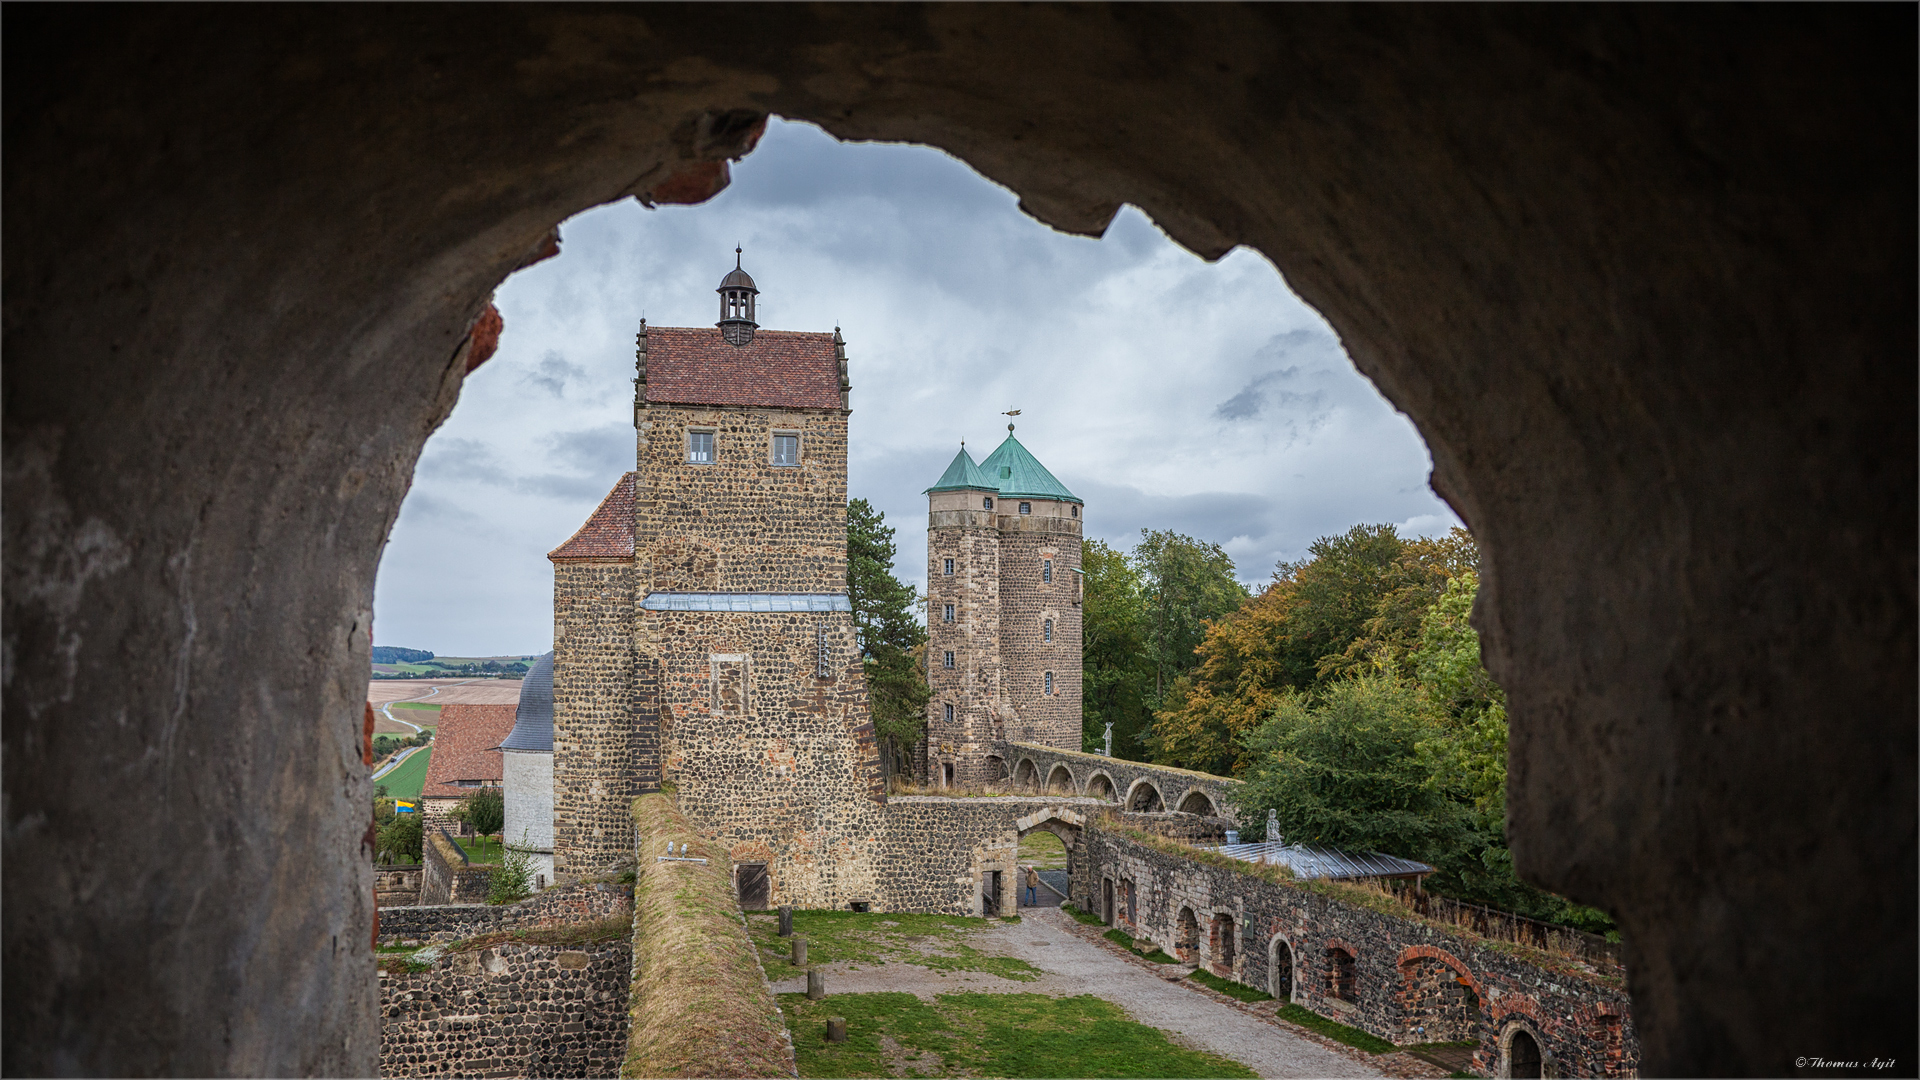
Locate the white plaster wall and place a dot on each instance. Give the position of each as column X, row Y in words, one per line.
column 528, row 779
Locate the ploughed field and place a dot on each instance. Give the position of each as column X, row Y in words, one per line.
column 444, row 691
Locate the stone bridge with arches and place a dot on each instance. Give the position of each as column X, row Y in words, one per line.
column 1131, row 785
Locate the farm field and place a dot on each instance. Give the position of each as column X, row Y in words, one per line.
column 405, row 781
column 456, row 691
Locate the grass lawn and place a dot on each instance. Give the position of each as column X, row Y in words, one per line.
column 415, row 705
column 1027, row 1035
column 936, row 942
column 479, row 849
column 405, row 781
column 1238, row 991
column 1042, row 850
column 1335, row 1030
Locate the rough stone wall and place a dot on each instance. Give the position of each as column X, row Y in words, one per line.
column 447, row 877
column 551, row 907
column 774, row 762
column 396, row 887
column 601, row 741
column 1581, row 1018
column 1026, row 542
column 510, row 1009
column 1129, row 781
column 938, row 848
column 972, row 685
column 741, row 524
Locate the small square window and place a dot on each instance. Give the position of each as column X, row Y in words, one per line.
column 786, row 449
column 949, row 714
column 1046, row 631
column 1046, row 570
column 949, row 566
column 1026, row 508
column 1049, row 682
column 947, row 613
column 949, row 662
column 986, row 503
column 700, row 447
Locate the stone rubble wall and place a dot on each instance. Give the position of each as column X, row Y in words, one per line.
column 396, row 886
column 446, row 876
column 1026, row 601
column 1411, row 981
column 510, row 1009
column 972, row 685
column 552, row 907
column 601, row 736
column 1129, row 781
column 938, row 849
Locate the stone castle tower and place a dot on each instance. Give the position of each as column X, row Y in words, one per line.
column 703, row 635
column 1003, row 612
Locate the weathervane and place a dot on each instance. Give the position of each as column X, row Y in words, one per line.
column 1010, row 412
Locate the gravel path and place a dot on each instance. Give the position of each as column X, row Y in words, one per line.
column 1074, row 966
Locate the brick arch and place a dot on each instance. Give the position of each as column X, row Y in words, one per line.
column 1139, row 788
column 1415, row 952
column 1059, row 769
column 1196, row 792
column 1432, row 996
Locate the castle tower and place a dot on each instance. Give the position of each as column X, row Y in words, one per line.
column 526, row 770
column 1003, row 612
column 717, row 654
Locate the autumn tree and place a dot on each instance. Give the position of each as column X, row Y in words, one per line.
column 1186, row 583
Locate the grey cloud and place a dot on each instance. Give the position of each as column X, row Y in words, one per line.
column 553, row 373
column 605, row 450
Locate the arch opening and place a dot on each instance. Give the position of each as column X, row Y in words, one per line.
column 1223, row 943
column 1145, row 798
column 1100, row 786
column 1060, row 781
column 1280, row 969
column 1438, row 1003
column 1026, row 776
column 1198, row 802
column 1524, row 1061
column 1186, row 937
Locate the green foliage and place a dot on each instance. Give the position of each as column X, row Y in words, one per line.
column 1187, row 582
column 1335, row 1030
column 512, row 880
column 1116, row 672
column 1237, row 991
column 1028, row 1035
column 1085, row 918
column 485, row 810
column 892, row 641
column 396, row 836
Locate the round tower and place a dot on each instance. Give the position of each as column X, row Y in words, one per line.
column 526, row 772
column 963, row 625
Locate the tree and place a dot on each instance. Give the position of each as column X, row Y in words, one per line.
column 396, row 835
column 1116, row 674
column 485, row 810
column 513, row 879
column 891, row 640
column 1187, row 582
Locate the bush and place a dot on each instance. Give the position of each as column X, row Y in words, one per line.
column 513, row 879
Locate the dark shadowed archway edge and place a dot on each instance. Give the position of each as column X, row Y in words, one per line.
column 1644, row 279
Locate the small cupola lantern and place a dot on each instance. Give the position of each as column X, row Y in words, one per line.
column 736, row 305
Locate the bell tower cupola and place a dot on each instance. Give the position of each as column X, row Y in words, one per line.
column 736, row 305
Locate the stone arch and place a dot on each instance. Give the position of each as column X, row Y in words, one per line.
column 996, row 768
column 1574, row 408
column 1186, row 935
column 1063, row 822
column 1282, row 968
column 1060, row 780
column 1223, row 942
column 1100, row 786
column 1342, row 970
column 1198, row 801
column 1026, row 775
column 1144, row 797
column 1523, row 1052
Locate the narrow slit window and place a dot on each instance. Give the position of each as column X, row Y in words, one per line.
column 786, row 449
column 1046, row 571
column 1049, row 682
column 947, row 612
column 949, row 566
column 700, row 447
column 1076, row 511
column 949, row 714
column 1046, row 630
column 949, row 659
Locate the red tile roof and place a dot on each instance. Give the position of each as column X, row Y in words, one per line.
column 608, row 534
column 780, row 368
column 463, row 748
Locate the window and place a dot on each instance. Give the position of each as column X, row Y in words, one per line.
column 1049, row 682
column 1046, row 570
column 700, row 447
column 949, row 714
column 986, row 503
column 1026, row 508
column 1046, row 630
column 1076, row 511
column 949, row 660
column 949, row 566
column 947, row 613
column 786, row 449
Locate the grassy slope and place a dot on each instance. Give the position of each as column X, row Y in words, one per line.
column 936, row 942
column 700, row 1005
column 405, row 781
column 1026, row 1035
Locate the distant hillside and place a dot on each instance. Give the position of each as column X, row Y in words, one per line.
column 389, row 654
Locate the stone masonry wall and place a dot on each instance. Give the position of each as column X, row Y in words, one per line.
column 446, row 875
column 774, row 762
column 601, row 740
column 741, row 524
column 1135, row 784
column 551, row 907
column 1358, row 961
column 510, row 1009
column 1027, row 600
column 937, row 849
column 972, row 685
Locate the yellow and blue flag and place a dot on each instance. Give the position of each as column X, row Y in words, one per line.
column 402, row 807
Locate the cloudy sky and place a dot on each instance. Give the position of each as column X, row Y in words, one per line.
column 1167, row 392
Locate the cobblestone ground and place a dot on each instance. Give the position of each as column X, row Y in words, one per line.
column 1194, row 1017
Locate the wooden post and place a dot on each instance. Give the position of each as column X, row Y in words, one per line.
column 786, row 920
column 816, row 984
column 799, row 952
column 836, row 1029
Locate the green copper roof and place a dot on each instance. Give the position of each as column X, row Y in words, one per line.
column 962, row 475
column 1017, row 473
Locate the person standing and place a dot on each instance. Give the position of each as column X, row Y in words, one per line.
column 1033, row 885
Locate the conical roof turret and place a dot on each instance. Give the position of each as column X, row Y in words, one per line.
column 963, row 475
column 1016, row 473
column 533, row 720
